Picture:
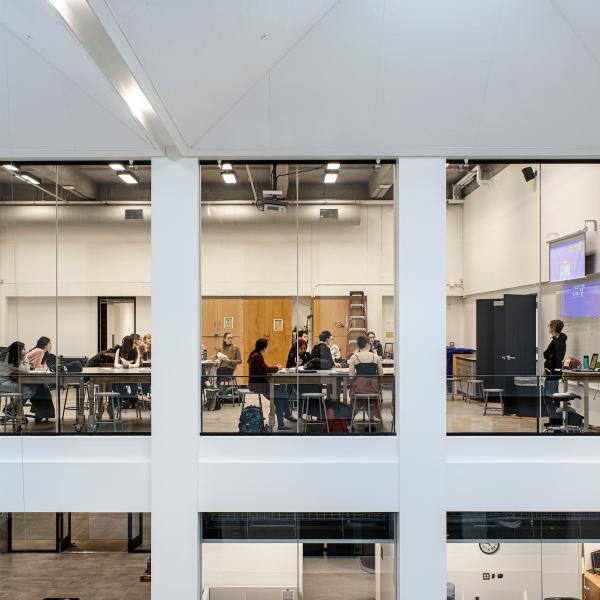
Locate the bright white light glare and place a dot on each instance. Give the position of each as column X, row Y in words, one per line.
column 137, row 102
column 116, row 166
column 331, row 177
column 226, row 167
column 128, row 177
column 229, row 177
column 333, row 166
column 28, row 178
column 10, row 167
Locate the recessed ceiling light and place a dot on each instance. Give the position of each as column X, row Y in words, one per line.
column 28, row 178
column 331, row 176
column 116, row 166
column 226, row 167
column 69, row 188
column 228, row 173
column 333, row 166
column 10, row 167
column 128, row 177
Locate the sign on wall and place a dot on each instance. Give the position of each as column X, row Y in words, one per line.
column 227, row 322
column 277, row 324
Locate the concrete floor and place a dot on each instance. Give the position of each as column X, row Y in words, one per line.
column 97, row 576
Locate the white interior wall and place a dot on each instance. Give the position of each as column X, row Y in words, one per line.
column 531, row 571
column 251, row 564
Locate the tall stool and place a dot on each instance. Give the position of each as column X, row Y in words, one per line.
column 366, row 405
column 113, row 400
column 476, row 385
column 309, row 398
column 17, row 419
column 565, row 408
column 78, row 399
column 486, row 399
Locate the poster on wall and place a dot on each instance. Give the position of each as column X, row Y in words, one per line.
column 278, row 325
column 227, row 322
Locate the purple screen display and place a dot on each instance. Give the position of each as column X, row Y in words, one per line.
column 578, row 301
column 567, row 259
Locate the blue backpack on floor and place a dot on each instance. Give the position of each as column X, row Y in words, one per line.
column 251, row 420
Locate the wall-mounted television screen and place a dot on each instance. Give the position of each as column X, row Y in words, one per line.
column 579, row 301
column 567, row 258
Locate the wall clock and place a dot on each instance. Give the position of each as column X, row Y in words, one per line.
column 489, row 547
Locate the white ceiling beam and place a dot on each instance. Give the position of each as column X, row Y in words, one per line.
column 97, row 31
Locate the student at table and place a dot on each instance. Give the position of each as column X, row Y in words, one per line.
column 12, row 364
column 228, row 358
column 375, row 344
column 363, row 368
column 257, row 383
column 127, row 355
column 291, row 359
column 41, row 401
column 146, row 347
column 320, row 355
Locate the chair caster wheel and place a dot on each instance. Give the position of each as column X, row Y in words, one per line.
column 95, row 428
column 77, row 428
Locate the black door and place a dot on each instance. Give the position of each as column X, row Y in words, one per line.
column 519, row 351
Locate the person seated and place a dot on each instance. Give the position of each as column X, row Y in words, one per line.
column 257, row 383
column 146, row 347
column 41, row 402
column 298, row 354
column 13, row 363
column 336, row 353
column 375, row 344
column 363, row 368
column 320, row 355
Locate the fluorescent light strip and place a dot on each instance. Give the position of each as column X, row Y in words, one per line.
column 331, row 176
column 116, row 166
column 11, row 167
column 333, row 166
column 229, row 177
column 28, row 178
column 128, row 177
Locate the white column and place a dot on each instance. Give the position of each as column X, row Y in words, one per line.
column 421, row 312
column 176, row 358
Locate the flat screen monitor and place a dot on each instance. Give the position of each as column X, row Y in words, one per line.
column 567, row 258
column 579, row 301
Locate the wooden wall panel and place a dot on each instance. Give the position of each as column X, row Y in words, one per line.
column 328, row 313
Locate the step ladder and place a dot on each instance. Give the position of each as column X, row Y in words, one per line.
column 357, row 318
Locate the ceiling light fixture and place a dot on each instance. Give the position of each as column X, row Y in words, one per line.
column 228, row 173
column 332, row 172
column 116, row 166
column 11, row 167
column 128, row 177
column 28, row 178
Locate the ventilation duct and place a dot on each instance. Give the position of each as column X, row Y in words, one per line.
column 134, row 214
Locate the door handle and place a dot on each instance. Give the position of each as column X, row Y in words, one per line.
column 508, row 357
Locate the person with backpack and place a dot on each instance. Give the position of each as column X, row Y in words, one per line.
column 257, row 383
column 364, row 367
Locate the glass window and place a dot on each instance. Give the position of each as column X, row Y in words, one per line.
column 523, row 555
column 75, row 272
column 523, row 298
column 75, row 555
column 297, row 271
column 298, row 555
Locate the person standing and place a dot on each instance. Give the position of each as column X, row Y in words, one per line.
column 554, row 355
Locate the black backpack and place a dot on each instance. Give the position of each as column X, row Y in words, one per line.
column 251, row 420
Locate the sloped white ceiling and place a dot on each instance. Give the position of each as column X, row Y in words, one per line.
column 53, row 99
column 345, row 78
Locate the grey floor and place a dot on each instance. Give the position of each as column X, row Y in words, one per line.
column 97, row 576
column 336, row 578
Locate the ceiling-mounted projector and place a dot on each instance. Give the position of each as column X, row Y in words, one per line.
column 272, row 201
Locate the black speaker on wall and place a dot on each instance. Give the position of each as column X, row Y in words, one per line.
column 529, row 173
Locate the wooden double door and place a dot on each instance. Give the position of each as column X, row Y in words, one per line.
column 248, row 319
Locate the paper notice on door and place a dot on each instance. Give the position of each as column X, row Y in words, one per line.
column 277, row 324
column 227, row 322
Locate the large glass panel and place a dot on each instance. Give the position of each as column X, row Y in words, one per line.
column 298, row 555
column 72, row 555
column 523, row 555
column 75, row 271
column 570, row 296
column 299, row 255
column 493, row 289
